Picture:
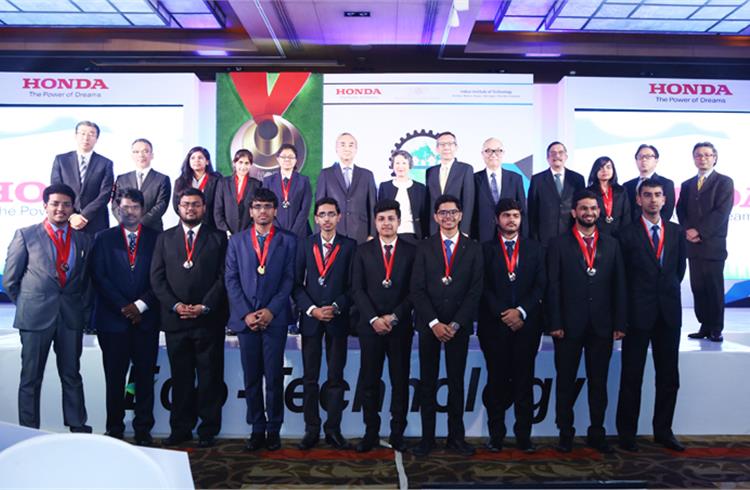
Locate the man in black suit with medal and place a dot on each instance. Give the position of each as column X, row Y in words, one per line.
column 380, row 286
column 321, row 294
column 446, row 286
column 654, row 252
column 586, row 300
column 187, row 276
column 510, row 326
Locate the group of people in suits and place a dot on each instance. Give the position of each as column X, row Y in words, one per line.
column 589, row 265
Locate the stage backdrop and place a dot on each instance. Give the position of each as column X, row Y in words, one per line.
column 38, row 115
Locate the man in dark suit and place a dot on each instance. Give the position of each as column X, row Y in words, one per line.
column 260, row 280
column 451, row 177
column 353, row 187
column 510, row 326
column 550, row 196
column 155, row 186
column 646, row 159
column 705, row 204
column 492, row 184
column 187, row 276
column 46, row 276
column 585, row 310
column 446, row 286
column 321, row 293
column 653, row 251
column 380, row 285
column 126, row 314
column 90, row 175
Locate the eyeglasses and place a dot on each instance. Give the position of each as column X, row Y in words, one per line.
column 128, row 209
column 329, row 214
column 287, row 157
column 645, row 157
column 188, row 205
column 263, row 207
column 493, row 151
column 703, row 155
column 444, row 213
column 444, row 144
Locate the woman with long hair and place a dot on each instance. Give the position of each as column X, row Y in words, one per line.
column 614, row 205
column 197, row 173
column 234, row 193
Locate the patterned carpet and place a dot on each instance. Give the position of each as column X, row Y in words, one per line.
column 709, row 462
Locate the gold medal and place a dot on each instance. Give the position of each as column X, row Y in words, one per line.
column 261, row 269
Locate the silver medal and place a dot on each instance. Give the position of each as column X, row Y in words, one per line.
column 285, row 204
column 447, row 280
column 322, row 280
column 591, row 271
column 511, row 276
column 387, row 283
column 188, row 264
column 609, row 219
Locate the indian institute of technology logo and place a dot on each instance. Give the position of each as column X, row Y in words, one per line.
column 421, row 145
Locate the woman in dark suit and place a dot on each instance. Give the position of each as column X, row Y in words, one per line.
column 197, row 173
column 233, row 195
column 294, row 192
column 411, row 195
column 614, row 204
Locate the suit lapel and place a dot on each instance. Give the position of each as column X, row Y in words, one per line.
column 453, row 179
column 484, row 185
column 433, row 180
column 49, row 250
column 339, row 175
column 549, row 182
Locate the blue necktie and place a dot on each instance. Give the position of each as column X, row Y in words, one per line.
column 558, row 184
column 493, row 188
column 131, row 242
column 190, row 239
column 509, row 247
column 655, row 238
column 448, row 252
column 348, row 177
column 261, row 241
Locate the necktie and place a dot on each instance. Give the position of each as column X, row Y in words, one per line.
column 558, row 184
column 62, row 278
column 589, row 243
column 261, row 241
column 348, row 177
column 701, row 179
column 443, row 177
column 190, row 239
column 326, row 251
column 493, row 188
column 388, row 249
column 60, row 237
column 131, row 242
column 509, row 247
column 286, row 181
column 82, row 168
column 140, row 180
column 448, row 251
column 655, row 236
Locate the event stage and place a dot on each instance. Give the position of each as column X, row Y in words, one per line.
column 712, row 398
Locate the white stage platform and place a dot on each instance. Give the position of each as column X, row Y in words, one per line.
column 713, row 399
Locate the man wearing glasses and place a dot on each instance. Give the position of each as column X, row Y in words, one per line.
column 646, row 159
column 492, row 184
column 705, row 203
column 451, row 177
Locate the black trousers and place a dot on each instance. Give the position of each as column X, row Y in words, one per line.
column 456, row 350
column 597, row 352
column 333, row 395
column 119, row 349
column 665, row 347
column 707, row 284
column 373, row 349
column 510, row 360
column 197, row 353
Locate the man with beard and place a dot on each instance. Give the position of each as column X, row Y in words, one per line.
column 585, row 312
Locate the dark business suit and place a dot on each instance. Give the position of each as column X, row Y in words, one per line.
column 456, row 302
column 668, row 186
column 460, row 184
column 549, row 212
column 194, row 346
column 485, row 220
column 588, row 309
column 417, row 204
column 262, row 351
column 229, row 215
column 374, row 300
column 707, row 210
column 356, row 202
column 91, row 197
column 621, row 213
column 116, row 286
column 308, row 293
column 156, row 189
column 655, row 316
column 510, row 355
column 295, row 218
column 48, row 313
column 209, row 192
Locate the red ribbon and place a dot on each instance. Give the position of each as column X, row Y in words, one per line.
column 131, row 257
column 262, row 254
column 660, row 248
column 607, row 199
column 389, row 263
column 63, row 252
column 510, row 262
column 449, row 267
column 189, row 250
column 323, row 269
column 285, row 189
column 589, row 258
column 252, row 89
column 203, row 181
column 240, row 186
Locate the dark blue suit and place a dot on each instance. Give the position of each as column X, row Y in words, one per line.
column 295, row 218
column 356, row 202
column 262, row 351
column 117, row 286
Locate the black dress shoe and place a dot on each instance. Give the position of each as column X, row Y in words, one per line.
column 495, row 444
column 336, row 440
column 82, row 429
column 256, row 441
column 114, row 435
column 368, row 443
column 525, row 445
column 273, row 441
column 144, row 440
column 423, row 448
column 698, row 335
column 629, row 445
column 309, row 441
column 206, row 442
column 600, row 445
column 460, row 446
column 396, row 441
column 565, row 444
column 670, row 442
column 176, row 439
column 715, row 337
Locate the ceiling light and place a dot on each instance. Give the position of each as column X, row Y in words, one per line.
column 453, row 19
